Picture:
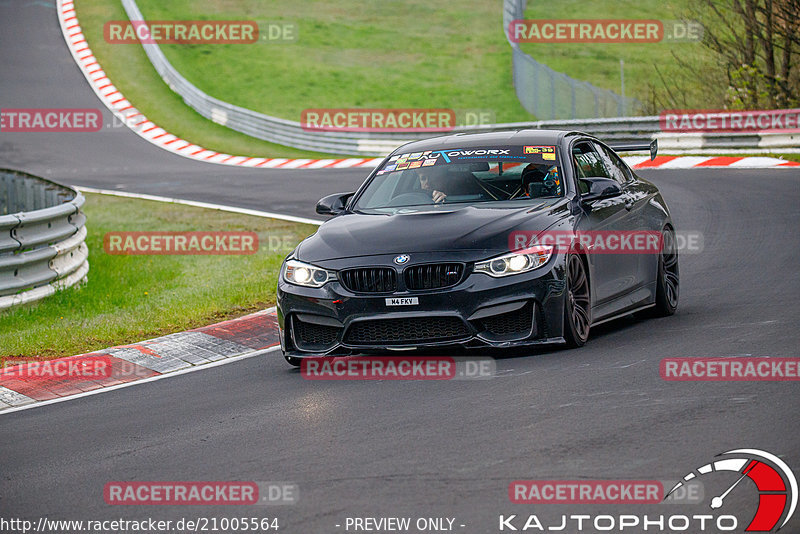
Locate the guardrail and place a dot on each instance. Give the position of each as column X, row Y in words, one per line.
column 254, row 124
column 291, row 133
column 42, row 233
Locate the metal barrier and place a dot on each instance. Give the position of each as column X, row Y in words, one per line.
column 254, row 124
column 538, row 100
column 42, row 233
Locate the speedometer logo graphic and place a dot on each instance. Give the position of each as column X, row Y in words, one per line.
column 777, row 485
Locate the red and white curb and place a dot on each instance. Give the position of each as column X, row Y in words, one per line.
column 136, row 121
column 707, row 162
column 147, row 129
column 148, row 360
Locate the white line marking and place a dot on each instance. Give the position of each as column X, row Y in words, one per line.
column 220, row 207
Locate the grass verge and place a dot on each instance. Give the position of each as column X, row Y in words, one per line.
column 131, row 298
column 133, row 74
column 350, row 53
column 353, row 53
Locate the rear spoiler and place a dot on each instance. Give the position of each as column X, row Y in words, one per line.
column 637, row 147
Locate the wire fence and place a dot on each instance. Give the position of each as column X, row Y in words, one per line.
column 548, row 94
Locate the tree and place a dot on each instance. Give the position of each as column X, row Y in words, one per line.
column 757, row 43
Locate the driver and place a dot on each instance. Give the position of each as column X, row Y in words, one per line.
column 431, row 181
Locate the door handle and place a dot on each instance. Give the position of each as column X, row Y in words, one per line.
column 629, row 202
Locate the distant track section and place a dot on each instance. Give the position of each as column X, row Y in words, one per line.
column 124, row 110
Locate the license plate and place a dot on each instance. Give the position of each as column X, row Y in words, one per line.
column 406, row 301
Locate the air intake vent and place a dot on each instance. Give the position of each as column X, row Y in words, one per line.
column 433, row 276
column 511, row 324
column 369, row 280
column 312, row 336
column 406, row 331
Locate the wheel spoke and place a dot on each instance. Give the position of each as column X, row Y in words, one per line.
column 671, row 280
column 582, row 315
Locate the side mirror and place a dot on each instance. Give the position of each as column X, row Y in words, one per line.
column 333, row 204
column 600, row 188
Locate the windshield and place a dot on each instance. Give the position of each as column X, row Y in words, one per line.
column 465, row 176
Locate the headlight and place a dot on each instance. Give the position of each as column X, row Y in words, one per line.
column 516, row 262
column 303, row 274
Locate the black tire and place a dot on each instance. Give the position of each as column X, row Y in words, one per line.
column 292, row 360
column 668, row 281
column 577, row 303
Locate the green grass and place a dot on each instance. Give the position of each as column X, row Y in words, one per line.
column 370, row 53
column 131, row 298
column 599, row 63
column 133, row 74
column 353, row 53
column 350, row 53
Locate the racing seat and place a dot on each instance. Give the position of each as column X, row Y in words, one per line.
column 459, row 182
column 536, row 183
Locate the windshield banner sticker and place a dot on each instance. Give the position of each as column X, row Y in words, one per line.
column 413, row 160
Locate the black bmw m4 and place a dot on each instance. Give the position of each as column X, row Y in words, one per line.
column 500, row 239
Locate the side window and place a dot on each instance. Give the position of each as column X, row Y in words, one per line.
column 587, row 163
column 616, row 167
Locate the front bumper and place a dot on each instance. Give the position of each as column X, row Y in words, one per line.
column 480, row 311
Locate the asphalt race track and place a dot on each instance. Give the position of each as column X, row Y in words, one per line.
column 40, row 73
column 419, row 449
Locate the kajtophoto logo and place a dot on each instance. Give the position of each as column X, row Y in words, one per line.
column 775, row 482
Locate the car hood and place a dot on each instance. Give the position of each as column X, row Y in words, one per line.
column 483, row 229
